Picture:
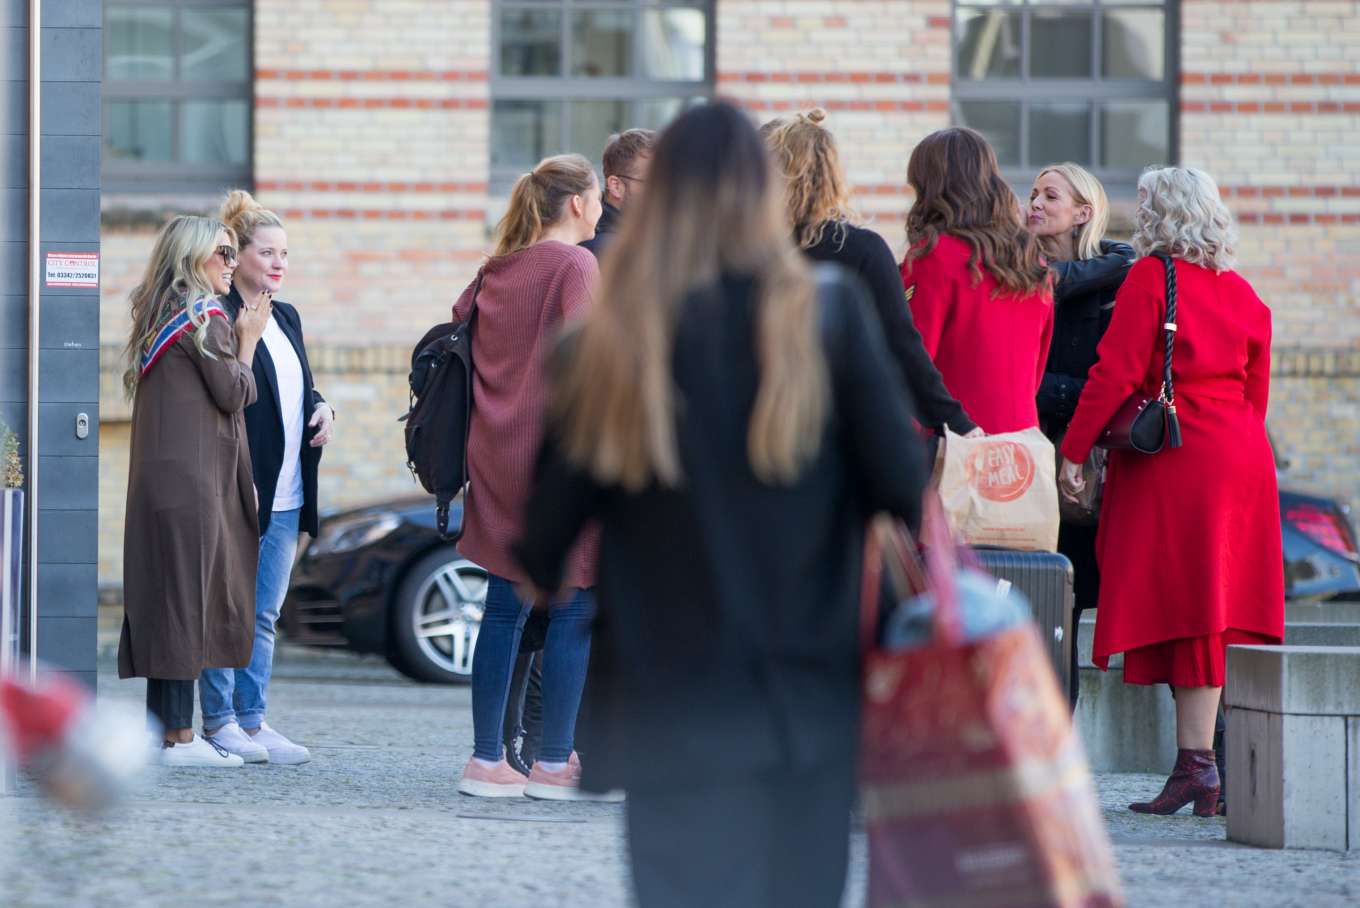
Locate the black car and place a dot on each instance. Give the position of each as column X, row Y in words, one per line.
column 379, row 580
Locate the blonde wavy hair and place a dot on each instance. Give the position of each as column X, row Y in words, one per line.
column 244, row 216
column 1181, row 213
column 1086, row 190
column 536, row 202
column 176, row 276
column 712, row 209
column 814, row 181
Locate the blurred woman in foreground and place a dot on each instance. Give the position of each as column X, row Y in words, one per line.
column 731, row 420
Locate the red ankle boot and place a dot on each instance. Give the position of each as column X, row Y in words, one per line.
column 1195, row 778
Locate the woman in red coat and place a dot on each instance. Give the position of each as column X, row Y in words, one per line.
column 1189, row 542
column 976, row 282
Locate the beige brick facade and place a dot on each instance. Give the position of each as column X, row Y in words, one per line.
column 372, row 132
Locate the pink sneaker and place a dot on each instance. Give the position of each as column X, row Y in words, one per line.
column 500, row 781
column 564, row 785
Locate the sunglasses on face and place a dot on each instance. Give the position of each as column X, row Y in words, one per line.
column 227, row 254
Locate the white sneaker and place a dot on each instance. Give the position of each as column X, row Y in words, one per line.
column 279, row 748
column 200, row 754
column 233, row 740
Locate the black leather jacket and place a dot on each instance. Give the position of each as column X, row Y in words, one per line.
column 1084, row 294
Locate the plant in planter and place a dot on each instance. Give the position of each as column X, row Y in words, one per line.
column 11, row 545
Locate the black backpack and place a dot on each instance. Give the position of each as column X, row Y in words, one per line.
column 440, row 416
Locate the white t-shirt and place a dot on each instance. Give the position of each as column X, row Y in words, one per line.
column 288, row 371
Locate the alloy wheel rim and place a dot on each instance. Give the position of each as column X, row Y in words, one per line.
column 448, row 615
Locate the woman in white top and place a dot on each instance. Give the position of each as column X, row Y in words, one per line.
column 286, row 427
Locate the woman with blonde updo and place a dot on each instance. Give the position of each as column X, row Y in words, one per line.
column 537, row 279
column 287, row 426
column 818, row 209
column 189, row 539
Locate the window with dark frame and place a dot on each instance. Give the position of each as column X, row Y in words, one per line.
column 177, row 95
column 566, row 74
column 1088, row 81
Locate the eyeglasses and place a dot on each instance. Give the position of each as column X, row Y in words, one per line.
column 228, row 255
column 630, row 179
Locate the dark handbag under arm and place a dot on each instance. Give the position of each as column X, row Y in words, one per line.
column 1145, row 424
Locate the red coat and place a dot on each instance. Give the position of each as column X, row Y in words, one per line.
column 990, row 350
column 1189, row 538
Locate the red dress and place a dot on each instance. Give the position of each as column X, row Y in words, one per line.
column 990, row 350
column 1189, row 540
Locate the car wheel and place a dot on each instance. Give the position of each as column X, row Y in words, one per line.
column 436, row 617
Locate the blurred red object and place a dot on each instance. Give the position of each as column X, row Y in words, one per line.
column 976, row 790
column 38, row 718
column 80, row 756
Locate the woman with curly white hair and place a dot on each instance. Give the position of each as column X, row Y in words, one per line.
column 1189, row 542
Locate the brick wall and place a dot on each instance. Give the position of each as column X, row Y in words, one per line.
column 371, row 140
column 1271, row 107
column 372, row 131
column 881, row 70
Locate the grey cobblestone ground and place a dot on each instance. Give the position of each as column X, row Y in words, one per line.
column 374, row 820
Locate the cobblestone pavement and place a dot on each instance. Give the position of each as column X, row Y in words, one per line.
column 374, row 820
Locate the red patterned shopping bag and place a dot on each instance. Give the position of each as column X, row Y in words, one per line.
column 976, row 790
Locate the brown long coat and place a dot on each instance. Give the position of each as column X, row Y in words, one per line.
column 191, row 540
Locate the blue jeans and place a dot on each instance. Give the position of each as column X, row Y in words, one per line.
column 239, row 694
column 565, row 654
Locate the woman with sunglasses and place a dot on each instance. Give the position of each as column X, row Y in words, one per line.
column 192, row 533
column 286, row 428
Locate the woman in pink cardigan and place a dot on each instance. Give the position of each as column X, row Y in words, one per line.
column 537, row 279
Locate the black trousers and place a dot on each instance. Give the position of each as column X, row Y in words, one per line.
column 780, row 840
column 171, row 702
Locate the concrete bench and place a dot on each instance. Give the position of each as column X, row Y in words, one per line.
column 1293, row 748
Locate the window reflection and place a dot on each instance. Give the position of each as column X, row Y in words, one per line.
column 139, row 130
column 531, row 42
column 674, row 44
column 988, row 44
column 141, row 45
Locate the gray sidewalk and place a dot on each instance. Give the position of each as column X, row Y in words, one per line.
column 374, row 820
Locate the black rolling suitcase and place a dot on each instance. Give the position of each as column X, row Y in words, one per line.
column 1046, row 580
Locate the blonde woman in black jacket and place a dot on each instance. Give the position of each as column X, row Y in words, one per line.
column 1069, row 213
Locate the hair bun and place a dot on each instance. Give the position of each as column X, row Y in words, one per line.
column 816, row 115
column 238, row 202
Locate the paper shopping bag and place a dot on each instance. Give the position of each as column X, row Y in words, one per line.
column 1001, row 490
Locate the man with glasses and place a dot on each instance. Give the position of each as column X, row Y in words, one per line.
column 627, row 156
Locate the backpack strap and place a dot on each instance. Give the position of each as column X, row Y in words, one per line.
column 476, row 289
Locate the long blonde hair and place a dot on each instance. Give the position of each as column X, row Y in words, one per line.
column 176, row 275
column 539, row 198
column 244, row 216
column 1086, row 190
column 814, row 180
column 712, row 208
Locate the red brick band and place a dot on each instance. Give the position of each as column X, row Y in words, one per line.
column 1294, row 217
column 1293, row 192
column 367, row 186
column 373, row 75
column 1348, row 78
column 382, row 214
column 1271, row 107
column 816, row 77
column 374, row 103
